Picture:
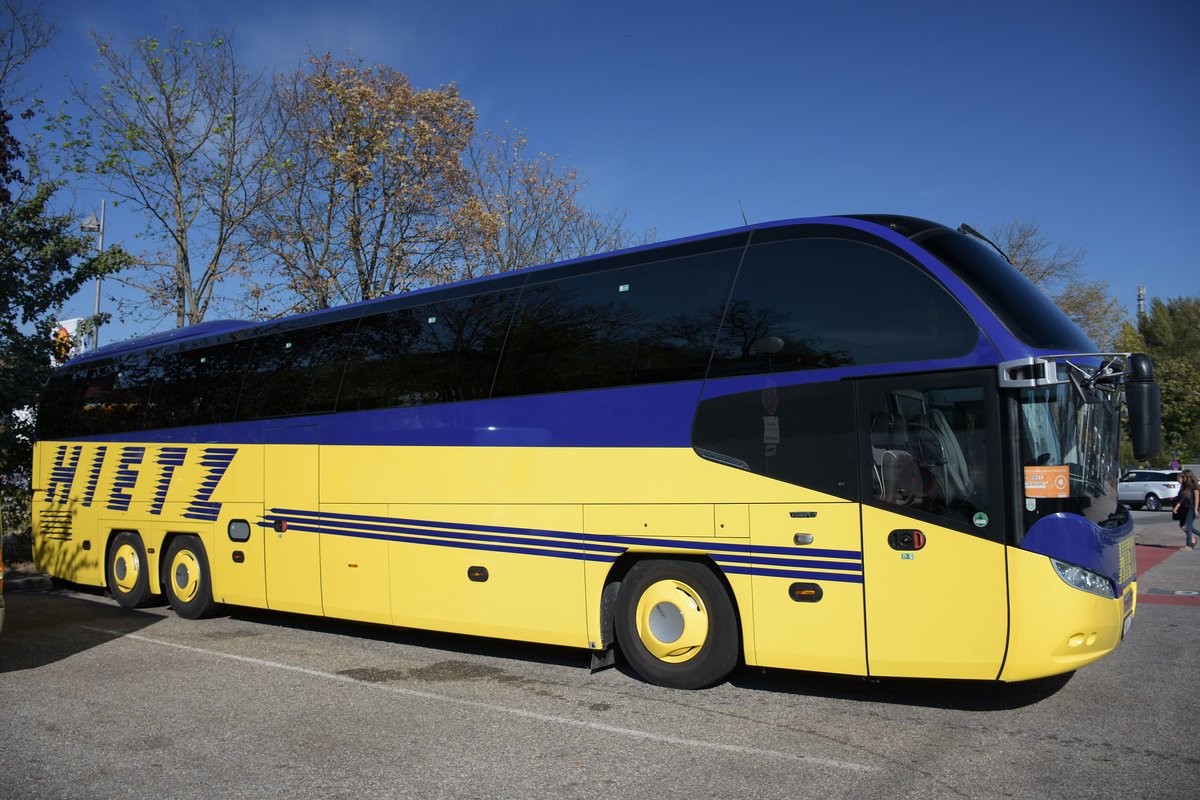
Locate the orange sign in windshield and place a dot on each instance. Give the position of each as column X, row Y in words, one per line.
column 1048, row 481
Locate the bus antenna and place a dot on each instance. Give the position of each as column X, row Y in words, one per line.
column 744, row 220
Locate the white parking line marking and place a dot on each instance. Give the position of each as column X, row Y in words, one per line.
column 700, row 744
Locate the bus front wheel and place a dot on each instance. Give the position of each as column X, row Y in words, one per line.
column 125, row 570
column 188, row 585
column 676, row 625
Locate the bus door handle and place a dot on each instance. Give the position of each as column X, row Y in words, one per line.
column 906, row 539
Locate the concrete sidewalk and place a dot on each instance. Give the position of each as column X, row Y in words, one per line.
column 1166, row 574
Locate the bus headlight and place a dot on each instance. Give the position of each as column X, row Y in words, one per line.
column 1084, row 579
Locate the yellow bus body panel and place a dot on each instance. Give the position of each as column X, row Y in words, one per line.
column 823, row 636
column 238, row 568
column 454, row 585
column 939, row 612
column 1057, row 628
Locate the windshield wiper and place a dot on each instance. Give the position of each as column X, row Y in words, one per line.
column 1103, row 379
column 969, row 231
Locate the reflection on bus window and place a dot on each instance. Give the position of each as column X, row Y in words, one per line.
column 928, row 451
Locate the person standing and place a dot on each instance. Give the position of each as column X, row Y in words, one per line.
column 1188, row 503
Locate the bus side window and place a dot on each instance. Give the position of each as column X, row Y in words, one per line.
column 58, row 411
column 296, row 371
column 435, row 353
column 116, row 396
column 829, row 302
column 803, row 434
column 647, row 323
column 198, row 386
column 928, row 448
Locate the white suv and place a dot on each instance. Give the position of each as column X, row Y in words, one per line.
column 1148, row 488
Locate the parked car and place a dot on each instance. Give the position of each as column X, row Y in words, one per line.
column 1148, row 488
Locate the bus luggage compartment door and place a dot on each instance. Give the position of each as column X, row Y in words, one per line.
column 293, row 551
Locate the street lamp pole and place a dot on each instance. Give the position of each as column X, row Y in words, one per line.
column 92, row 225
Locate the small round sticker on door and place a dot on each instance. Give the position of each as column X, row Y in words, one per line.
column 980, row 520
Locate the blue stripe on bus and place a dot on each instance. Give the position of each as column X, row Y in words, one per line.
column 332, row 526
column 495, row 548
column 800, row 560
column 690, row 544
column 562, row 544
column 792, row 574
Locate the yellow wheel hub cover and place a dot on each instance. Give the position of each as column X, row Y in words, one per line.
column 672, row 621
column 185, row 575
column 127, row 567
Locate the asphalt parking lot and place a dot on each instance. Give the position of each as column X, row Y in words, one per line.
column 97, row 701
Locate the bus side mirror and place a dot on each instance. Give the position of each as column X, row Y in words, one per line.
column 1145, row 407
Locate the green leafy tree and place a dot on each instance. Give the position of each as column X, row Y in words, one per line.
column 45, row 263
column 1170, row 332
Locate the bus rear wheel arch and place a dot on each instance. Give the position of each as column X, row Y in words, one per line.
column 126, row 570
column 676, row 624
column 186, row 578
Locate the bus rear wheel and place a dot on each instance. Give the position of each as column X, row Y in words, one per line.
column 188, row 584
column 676, row 625
column 125, row 570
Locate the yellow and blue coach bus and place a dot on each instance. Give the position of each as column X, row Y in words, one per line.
column 859, row 445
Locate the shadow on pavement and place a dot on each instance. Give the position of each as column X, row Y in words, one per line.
column 450, row 643
column 41, row 628
column 947, row 694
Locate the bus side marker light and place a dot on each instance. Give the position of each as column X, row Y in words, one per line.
column 477, row 574
column 238, row 556
column 280, row 525
column 805, row 592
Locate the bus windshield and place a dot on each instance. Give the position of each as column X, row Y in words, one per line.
column 1069, row 453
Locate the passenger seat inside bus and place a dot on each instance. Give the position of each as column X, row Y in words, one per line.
column 895, row 468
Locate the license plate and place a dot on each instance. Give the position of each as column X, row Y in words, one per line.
column 1127, row 626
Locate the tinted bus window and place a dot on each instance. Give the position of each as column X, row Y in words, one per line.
column 60, row 405
column 115, row 397
column 198, row 386
column 1024, row 308
column 296, row 371
column 801, row 434
column 933, row 449
column 822, row 302
column 644, row 324
column 437, row 353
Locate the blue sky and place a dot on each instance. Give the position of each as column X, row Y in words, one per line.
column 1083, row 116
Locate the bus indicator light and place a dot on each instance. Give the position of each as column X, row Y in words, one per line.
column 806, row 592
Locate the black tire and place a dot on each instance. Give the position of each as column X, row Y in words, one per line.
column 1152, row 502
column 126, row 570
column 186, row 578
column 676, row 624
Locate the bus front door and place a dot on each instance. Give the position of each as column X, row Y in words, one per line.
column 293, row 551
column 934, row 563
